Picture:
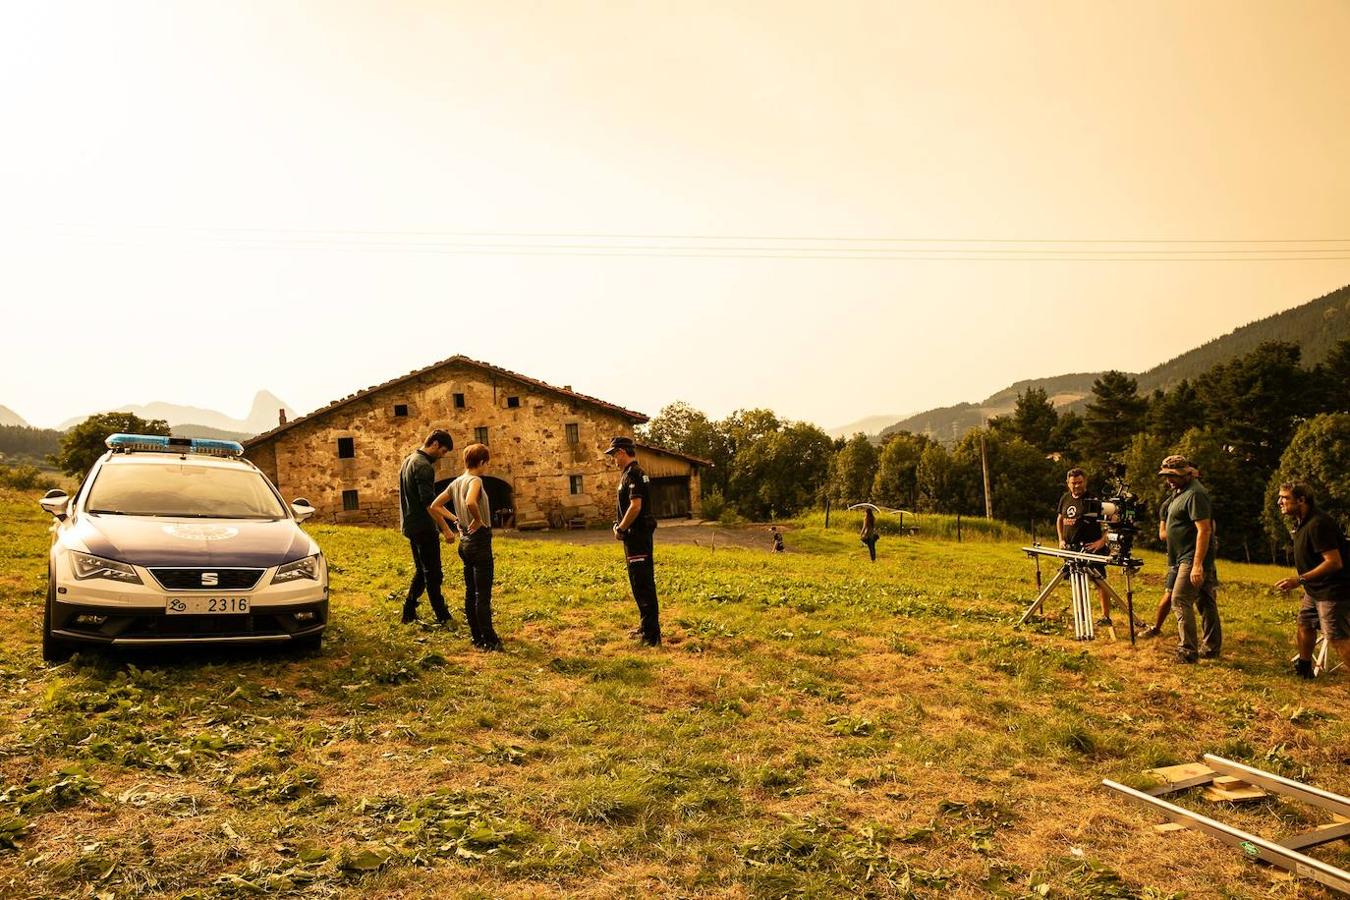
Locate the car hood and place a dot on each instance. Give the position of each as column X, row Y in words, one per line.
column 155, row 541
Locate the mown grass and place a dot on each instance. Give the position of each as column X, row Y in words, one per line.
column 815, row 726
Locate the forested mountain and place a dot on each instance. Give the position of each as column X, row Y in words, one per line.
column 1316, row 327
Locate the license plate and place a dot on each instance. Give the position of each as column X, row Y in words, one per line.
column 204, row 606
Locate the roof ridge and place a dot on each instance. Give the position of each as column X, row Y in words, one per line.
column 449, row 360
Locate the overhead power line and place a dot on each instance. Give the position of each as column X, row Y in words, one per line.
column 748, row 246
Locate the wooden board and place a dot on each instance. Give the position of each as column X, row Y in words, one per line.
column 1175, row 778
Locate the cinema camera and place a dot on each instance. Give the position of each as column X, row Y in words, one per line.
column 1119, row 516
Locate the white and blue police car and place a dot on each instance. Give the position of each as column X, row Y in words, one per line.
column 180, row 541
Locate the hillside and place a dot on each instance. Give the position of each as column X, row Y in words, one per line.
column 10, row 417
column 262, row 416
column 950, row 422
column 1316, row 326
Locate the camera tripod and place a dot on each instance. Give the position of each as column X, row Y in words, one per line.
column 1078, row 570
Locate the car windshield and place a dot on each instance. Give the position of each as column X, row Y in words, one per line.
column 187, row 491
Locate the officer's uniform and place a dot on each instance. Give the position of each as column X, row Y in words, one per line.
column 637, row 549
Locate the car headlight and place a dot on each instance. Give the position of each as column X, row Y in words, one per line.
column 306, row 569
column 87, row 565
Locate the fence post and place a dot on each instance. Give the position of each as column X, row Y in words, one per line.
column 827, row 513
column 958, row 528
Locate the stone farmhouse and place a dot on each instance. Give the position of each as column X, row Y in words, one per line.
column 548, row 466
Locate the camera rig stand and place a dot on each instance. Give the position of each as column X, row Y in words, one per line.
column 1078, row 570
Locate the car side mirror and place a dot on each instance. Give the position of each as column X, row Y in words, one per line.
column 56, row 502
column 302, row 509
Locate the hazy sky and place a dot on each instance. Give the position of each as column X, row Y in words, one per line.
column 803, row 206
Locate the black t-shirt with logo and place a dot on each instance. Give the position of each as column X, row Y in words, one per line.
column 1316, row 535
column 1078, row 532
column 634, row 484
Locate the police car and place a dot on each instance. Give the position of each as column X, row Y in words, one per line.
column 180, row 541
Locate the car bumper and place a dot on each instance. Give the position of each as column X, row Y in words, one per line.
column 129, row 625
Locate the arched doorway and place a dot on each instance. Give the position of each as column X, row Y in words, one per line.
column 501, row 500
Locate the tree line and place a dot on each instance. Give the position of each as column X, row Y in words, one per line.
column 1247, row 423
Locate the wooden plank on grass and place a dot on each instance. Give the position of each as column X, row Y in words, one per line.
column 1176, row 778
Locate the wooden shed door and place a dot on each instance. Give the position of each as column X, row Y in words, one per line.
column 670, row 497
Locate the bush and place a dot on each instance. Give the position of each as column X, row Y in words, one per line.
column 713, row 505
column 26, row 478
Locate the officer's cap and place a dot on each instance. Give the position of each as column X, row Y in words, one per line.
column 622, row 443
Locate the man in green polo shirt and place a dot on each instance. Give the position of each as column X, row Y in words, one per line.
column 1190, row 559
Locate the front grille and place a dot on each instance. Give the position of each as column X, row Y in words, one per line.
column 191, row 579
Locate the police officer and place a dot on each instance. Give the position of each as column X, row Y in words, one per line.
column 634, row 525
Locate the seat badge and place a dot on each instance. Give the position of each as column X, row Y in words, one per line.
column 200, row 532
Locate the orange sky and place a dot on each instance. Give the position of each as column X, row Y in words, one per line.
column 377, row 186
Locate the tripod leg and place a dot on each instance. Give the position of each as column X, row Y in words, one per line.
column 1088, row 633
column 1040, row 599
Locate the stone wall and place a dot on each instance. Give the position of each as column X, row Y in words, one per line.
column 530, row 451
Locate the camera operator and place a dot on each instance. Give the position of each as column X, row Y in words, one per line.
column 1190, row 558
column 1078, row 530
column 1319, row 559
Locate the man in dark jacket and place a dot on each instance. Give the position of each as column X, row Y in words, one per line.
column 1319, row 559
column 634, row 524
column 421, row 523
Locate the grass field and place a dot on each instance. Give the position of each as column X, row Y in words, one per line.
column 815, row 726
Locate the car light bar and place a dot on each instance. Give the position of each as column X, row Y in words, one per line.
column 158, row 443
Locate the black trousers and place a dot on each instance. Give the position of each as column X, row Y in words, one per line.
column 637, row 550
column 871, row 544
column 426, row 554
column 475, row 551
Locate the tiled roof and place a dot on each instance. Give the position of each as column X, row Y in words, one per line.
column 635, row 417
column 668, row 452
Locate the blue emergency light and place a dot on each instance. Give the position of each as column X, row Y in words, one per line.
column 158, row 443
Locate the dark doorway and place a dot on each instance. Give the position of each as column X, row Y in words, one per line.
column 670, row 497
column 500, row 500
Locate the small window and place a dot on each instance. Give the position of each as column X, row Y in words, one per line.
column 573, row 434
column 459, row 401
column 480, row 434
column 512, row 402
column 349, row 500
column 574, row 483
column 346, row 448
column 400, row 409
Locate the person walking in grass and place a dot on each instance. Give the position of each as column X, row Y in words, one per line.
column 1165, row 604
column 869, row 533
column 472, row 515
column 1190, row 552
column 419, row 524
column 1319, row 560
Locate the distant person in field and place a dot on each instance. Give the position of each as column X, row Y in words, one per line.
column 869, row 534
column 420, row 524
column 1189, row 529
column 1319, row 559
column 472, row 516
column 777, row 539
column 1081, row 532
column 634, row 525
